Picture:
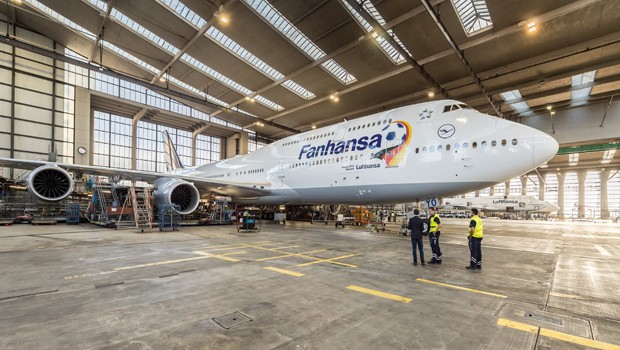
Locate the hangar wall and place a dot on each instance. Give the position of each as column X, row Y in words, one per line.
column 580, row 124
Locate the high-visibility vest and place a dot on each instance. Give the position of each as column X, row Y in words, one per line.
column 478, row 229
column 433, row 224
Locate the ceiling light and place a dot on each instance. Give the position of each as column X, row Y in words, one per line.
column 313, row 126
column 162, row 79
column 549, row 107
column 552, row 112
column 334, row 97
column 224, row 19
column 430, row 94
column 374, row 34
column 531, row 26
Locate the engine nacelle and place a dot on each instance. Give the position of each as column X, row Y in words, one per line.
column 178, row 192
column 50, row 183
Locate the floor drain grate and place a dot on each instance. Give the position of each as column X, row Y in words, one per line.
column 232, row 320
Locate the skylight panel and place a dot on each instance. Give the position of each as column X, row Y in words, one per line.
column 98, row 4
column 255, row 62
column 142, row 31
column 474, row 15
column 385, row 46
column 580, row 79
column 608, row 156
column 61, row 19
column 220, row 38
column 514, row 95
column 228, row 82
column 185, row 13
column 297, row 38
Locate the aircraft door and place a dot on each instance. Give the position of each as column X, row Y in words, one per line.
column 281, row 170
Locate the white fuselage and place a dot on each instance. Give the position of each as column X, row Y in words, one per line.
column 501, row 204
column 431, row 149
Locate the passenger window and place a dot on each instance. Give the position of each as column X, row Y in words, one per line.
column 432, row 149
column 439, row 148
column 493, row 143
column 423, row 149
column 484, row 144
column 504, row 142
column 514, row 142
column 417, row 150
column 447, row 147
column 456, row 146
column 465, row 145
column 474, row 145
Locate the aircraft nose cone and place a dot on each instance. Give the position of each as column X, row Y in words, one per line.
column 544, row 147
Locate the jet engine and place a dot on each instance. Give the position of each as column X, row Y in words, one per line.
column 178, row 192
column 49, row 183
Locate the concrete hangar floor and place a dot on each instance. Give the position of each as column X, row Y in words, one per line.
column 304, row 286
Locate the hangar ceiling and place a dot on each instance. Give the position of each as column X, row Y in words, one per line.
column 280, row 66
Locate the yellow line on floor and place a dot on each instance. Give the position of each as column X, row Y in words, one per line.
column 239, row 246
column 558, row 335
column 460, row 288
column 287, row 272
column 567, row 296
column 291, row 254
column 224, row 257
column 380, row 294
column 161, row 263
column 331, row 260
column 517, row 325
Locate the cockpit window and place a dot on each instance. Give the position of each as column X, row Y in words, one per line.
column 450, row 108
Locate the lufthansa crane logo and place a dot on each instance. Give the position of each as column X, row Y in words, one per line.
column 445, row 131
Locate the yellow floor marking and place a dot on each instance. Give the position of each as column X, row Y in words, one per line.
column 461, row 288
column 517, row 325
column 291, row 254
column 558, row 335
column 287, row 272
column 331, row 260
column 578, row 340
column 380, row 294
column 568, row 296
column 240, row 246
column 275, row 249
column 161, row 263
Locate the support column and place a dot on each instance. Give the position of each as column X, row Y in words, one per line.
column 507, row 189
column 134, row 137
column 477, row 194
column 492, row 191
column 581, row 206
column 83, row 130
column 541, row 187
column 523, row 185
column 561, row 178
column 604, row 179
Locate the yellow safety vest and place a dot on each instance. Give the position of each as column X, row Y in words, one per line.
column 433, row 224
column 478, row 229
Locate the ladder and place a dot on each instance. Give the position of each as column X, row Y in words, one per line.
column 137, row 206
column 142, row 211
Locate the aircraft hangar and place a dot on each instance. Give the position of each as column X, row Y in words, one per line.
column 95, row 84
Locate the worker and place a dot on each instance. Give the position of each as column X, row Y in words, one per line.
column 475, row 241
column 434, row 231
column 416, row 225
column 340, row 220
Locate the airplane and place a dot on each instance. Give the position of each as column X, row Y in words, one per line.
column 528, row 204
column 431, row 149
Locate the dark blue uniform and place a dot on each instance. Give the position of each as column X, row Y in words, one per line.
column 416, row 225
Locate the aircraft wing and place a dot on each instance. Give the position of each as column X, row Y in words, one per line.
column 229, row 188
